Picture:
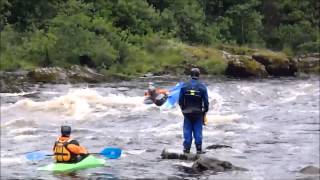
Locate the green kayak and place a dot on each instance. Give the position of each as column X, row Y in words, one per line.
column 88, row 162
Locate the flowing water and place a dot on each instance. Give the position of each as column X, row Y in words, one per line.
column 272, row 126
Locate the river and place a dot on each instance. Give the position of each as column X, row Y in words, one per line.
column 272, row 126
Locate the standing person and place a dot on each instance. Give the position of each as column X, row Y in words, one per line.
column 194, row 104
column 67, row 150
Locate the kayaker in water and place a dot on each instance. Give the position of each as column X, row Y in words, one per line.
column 194, row 104
column 68, row 150
column 155, row 95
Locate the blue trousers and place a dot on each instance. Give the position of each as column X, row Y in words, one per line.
column 194, row 127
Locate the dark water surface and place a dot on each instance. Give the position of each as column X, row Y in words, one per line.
column 272, row 126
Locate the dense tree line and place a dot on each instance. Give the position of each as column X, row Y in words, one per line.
column 115, row 32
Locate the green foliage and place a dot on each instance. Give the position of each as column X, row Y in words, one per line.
column 309, row 47
column 277, row 58
column 12, row 51
column 209, row 59
column 246, row 22
column 239, row 50
column 128, row 37
column 251, row 65
column 213, row 66
column 137, row 17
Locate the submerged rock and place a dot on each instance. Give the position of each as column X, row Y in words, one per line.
column 202, row 162
column 217, row 146
column 182, row 156
column 310, row 170
column 206, row 163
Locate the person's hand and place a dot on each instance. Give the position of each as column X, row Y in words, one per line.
column 205, row 120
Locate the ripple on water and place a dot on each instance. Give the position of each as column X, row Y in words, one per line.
column 271, row 125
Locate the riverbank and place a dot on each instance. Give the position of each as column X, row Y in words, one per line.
column 177, row 59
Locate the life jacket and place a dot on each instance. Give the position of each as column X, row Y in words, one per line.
column 192, row 100
column 61, row 152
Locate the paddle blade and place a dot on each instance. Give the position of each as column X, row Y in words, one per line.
column 111, row 153
column 173, row 96
column 36, row 156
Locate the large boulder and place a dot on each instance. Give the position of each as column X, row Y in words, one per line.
column 244, row 66
column 74, row 74
column 49, row 75
column 310, row 170
column 276, row 64
column 14, row 82
column 78, row 74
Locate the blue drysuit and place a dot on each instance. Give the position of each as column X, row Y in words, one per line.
column 193, row 101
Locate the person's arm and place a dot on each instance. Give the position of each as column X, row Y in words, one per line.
column 54, row 146
column 76, row 148
column 205, row 100
column 181, row 98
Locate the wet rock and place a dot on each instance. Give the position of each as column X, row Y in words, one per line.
column 202, row 162
column 175, row 155
column 309, row 63
column 217, row 146
column 84, row 74
column 14, row 82
column 148, row 75
column 48, row 75
column 74, row 74
column 244, row 66
column 276, row 64
column 310, row 170
column 207, row 163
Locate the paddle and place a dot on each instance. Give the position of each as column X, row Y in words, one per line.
column 109, row 152
column 173, row 96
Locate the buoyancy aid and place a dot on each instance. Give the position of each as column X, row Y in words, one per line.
column 192, row 100
column 61, row 152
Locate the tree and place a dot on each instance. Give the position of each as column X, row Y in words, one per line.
column 246, row 22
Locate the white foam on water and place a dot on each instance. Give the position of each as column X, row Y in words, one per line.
column 77, row 104
column 23, row 138
column 222, row 119
column 248, row 126
column 135, row 152
column 216, row 101
column 7, row 161
column 164, row 130
column 248, row 90
column 305, row 86
column 211, row 133
column 23, row 131
column 16, row 94
column 185, row 164
column 291, row 95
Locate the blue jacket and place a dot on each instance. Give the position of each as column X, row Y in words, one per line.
column 193, row 98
